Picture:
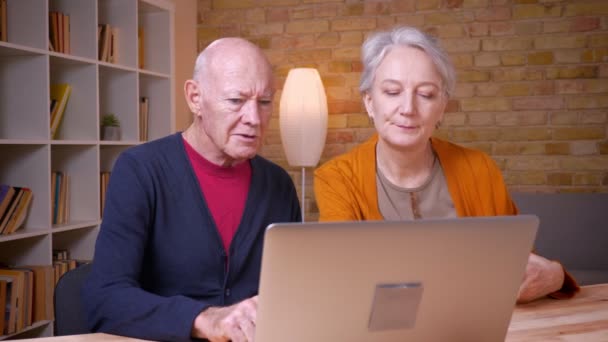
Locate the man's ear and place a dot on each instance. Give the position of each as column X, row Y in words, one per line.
column 192, row 92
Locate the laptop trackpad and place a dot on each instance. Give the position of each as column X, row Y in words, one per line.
column 395, row 306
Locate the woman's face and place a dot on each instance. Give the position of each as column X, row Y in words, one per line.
column 406, row 99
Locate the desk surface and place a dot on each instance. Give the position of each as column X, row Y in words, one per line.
column 583, row 318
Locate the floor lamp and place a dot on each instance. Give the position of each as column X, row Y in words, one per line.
column 303, row 120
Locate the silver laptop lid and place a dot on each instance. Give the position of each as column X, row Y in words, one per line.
column 377, row 281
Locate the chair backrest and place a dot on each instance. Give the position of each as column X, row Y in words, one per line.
column 69, row 316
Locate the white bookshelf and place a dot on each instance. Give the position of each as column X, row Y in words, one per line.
column 28, row 155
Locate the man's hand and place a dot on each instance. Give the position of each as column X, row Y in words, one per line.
column 234, row 323
column 542, row 277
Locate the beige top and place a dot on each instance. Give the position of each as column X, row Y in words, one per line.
column 430, row 200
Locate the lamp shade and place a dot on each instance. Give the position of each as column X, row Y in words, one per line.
column 303, row 117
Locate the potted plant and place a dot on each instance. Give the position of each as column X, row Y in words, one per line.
column 110, row 127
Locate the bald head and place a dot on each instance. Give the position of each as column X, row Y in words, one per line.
column 225, row 51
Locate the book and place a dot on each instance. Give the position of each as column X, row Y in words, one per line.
column 3, row 285
column 18, row 292
column 3, row 21
column 60, row 93
column 143, row 118
column 54, row 31
column 11, row 209
column 140, row 48
column 10, row 306
column 20, row 213
column 66, row 33
column 44, row 290
column 6, row 195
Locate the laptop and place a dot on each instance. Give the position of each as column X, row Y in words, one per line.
column 380, row 281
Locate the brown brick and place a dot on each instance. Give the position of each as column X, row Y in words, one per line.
column 385, row 22
column 358, row 121
column 603, row 147
column 333, row 150
column 556, row 26
column 557, row 148
column 590, row 101
column 528, row 118
column 583, row 24
column 325, row 11
column 336, row 121
column 510, row 59
column 563, row 42
column 450, row 31
column 487, row 59
column 567, row 56
column 587, row 179
column 464, row 90
column 353, row 24
column 400, row 6
column 527, row 28
column 261, row 42
column 595, row 55
column 572, row 72
column 580, row 148
column 255, row 16
column 516, row 74
column 302, row 12
column 275, row 15
column 578, row 133
column 262, row 29
column 536, row 11
column 493, row 14
column 410, row 19
column 600, row 117
column 451, row 17
column 462, row 60
column 339, row 66
column 427, row 4
column 564, row 118
column 351, row 38
column 480, row 146
column 475, row 3
column 338, row 93
column 587, row 163
column 598, row 40
column 317, row 55
column 515, row 89
column 478, row 29
column 559, row 178
column 525, row 177
column 517, row 148
column 532, row 163
column 485, row 104
column 355, row 9
column 327, row 39
column 488, row 89
column 454, row 3
column 525, row 133
column 476, row 134
column 224, row 17
column 481, row 119
column 350, row 54
column 342, row 136
column 208, row 33
column 502, row 28
column 580, row 8
column 577, row 86
column 454, row 119
column 231, row 4
column 307, row 26
column 502, row 44
column 545, row 102
column 363, row 134
column 473, row 76
column 377, row 8
column 461, row 45
column 540, row 58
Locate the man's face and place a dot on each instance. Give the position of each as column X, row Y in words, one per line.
column 236, row 105
column 406, row 99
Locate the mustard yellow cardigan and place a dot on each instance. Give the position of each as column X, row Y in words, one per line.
column 345, row 187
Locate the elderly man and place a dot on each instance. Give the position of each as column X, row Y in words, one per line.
column 179, row 250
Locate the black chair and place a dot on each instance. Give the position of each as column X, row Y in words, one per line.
column 69, row 316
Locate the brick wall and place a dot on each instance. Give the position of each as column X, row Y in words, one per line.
column 532, row 76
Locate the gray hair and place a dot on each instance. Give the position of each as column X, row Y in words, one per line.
column 379, row 44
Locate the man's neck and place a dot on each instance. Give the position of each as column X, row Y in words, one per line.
column 203, row 145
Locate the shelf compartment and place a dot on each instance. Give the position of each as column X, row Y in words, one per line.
column 119, row 14
column 81, row 164
column 83, row 30
column 157, row 27
column 79, row 242
column 23, row 114
column 79, row 120
column 118, row 95
column 35, row 250
column 27, row 23
column 28, row 166
column 155, row 89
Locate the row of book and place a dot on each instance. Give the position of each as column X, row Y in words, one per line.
column 3, row 21
column 60, row 93
column 60, row 197
column 104, row 181
column 144, row 109
column 107, row 38
column 14, row 206
column 59, row 32
column 26, row 293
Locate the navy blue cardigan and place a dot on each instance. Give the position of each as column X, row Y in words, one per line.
column 159, row 259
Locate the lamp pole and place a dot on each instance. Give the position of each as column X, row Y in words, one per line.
column 303, row 190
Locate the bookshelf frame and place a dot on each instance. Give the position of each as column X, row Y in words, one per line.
column 28, row 154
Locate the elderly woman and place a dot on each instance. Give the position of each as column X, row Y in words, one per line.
column 402, row 172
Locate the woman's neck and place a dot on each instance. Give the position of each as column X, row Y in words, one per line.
column 405, row 168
